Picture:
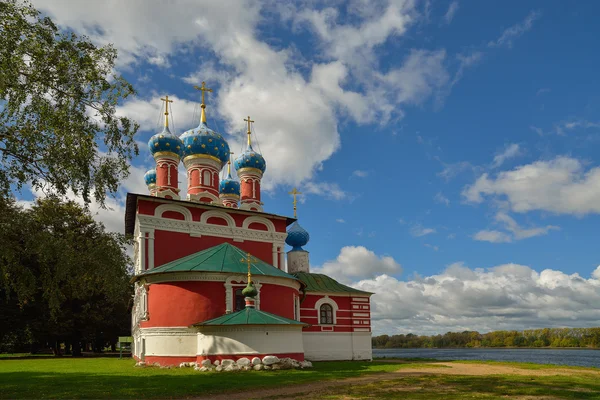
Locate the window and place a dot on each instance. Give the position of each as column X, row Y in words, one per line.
column 240, row 301
column 207, row 178
column 326, row 314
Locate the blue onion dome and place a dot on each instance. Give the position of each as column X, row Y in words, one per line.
column 229, row 186
column 203, row 141
column 150, row 177
column 297, row 236
column 250, row 159
column 166, row 143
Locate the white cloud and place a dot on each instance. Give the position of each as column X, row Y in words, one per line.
column 357, row 262
column 340, row 220
column 509, row 296
column 492, row 237
column 542, row 91
column 434, row 248
column 419, row 231
column 511, row 151
column 330, row 191
column 465, row 61
column 440, row 198
column 515, row 31
column 452, row 170
column 360, row 173
column 296, row 115
column 562, row 185
column 452, row 9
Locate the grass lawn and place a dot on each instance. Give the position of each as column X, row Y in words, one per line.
column 111, row 378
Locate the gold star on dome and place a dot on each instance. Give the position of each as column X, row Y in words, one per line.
column 216, row 149
column 195, row 139
column 178, row 147
column 209, row 140
column 156, row 144
column 162, row 136
column 168, row 144
column 222, row 144
column 189, row 146
column 203, row 145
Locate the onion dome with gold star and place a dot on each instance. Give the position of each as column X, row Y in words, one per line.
column 150, row 177
column 250, row 158
column 229, row 185
column 203, row 142
column 166, row 143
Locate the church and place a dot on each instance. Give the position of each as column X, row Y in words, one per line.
column 213, row 277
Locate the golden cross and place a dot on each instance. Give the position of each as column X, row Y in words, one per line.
column 249, row 122
column 203, row 89
column 167, row 101
column 249, row 259
column 294, row 193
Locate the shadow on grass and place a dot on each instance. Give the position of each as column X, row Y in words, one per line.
column 130, row 382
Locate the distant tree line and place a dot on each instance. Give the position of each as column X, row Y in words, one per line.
column 64, row 280
column 546, row 337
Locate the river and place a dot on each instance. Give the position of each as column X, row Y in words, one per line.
column 576, row 357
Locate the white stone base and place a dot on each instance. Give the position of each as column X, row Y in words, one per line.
column 248, row 340
column 330, row 346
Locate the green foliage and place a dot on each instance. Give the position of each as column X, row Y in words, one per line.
column 63, row 278
column 58, row 98
column 546, row 337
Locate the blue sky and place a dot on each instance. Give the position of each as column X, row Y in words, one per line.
column 448, row 148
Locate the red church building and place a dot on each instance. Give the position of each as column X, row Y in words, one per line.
column 210, row 276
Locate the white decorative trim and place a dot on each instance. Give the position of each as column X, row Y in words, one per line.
column 360, row 299
column 196, row 228
column 251, row 205
column 160, row 210
column 220, row 277
column 332, row 303
column 259, row 220
column 169, row 331
column 198, row 196
column 217, row 214
column 168, row 192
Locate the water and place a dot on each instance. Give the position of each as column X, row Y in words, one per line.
column 577, row 357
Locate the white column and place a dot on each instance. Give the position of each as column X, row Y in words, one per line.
column 150, row 242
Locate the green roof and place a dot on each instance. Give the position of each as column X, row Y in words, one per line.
column 323, row 284
column 222, row 258
column 249, row 316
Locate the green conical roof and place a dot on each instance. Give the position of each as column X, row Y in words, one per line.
column 222, row 258
column 249, row 316
column 323, row 284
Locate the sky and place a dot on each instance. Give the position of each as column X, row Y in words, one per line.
column 447, row 151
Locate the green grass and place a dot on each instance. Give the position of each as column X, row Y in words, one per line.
column 525, row 365
column 449, row 387
column 111, row 378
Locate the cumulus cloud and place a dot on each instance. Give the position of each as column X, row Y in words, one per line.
column 508, row 296
column 440, row 198
column 357, row 262
column 296, row 99
column 360, row 173
column 562, row 185
column 515, row 31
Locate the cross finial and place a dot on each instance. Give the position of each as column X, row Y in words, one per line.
column 167, row 101
column 249, row 259
column 294, row 193
column 203, row 89
column 249, row 122
column 229, row 163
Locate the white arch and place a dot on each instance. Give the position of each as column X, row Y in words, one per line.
column 158, row 212
column 332, row 303
column 217, row 214
column 260, row 220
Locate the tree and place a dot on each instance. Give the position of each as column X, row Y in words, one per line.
column 58, row 95
column 63, row 278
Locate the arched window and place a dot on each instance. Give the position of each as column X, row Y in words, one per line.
column 207, row 178
column 326, row 314
column 240, row 302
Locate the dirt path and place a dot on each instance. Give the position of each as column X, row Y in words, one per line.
column 447, row 368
